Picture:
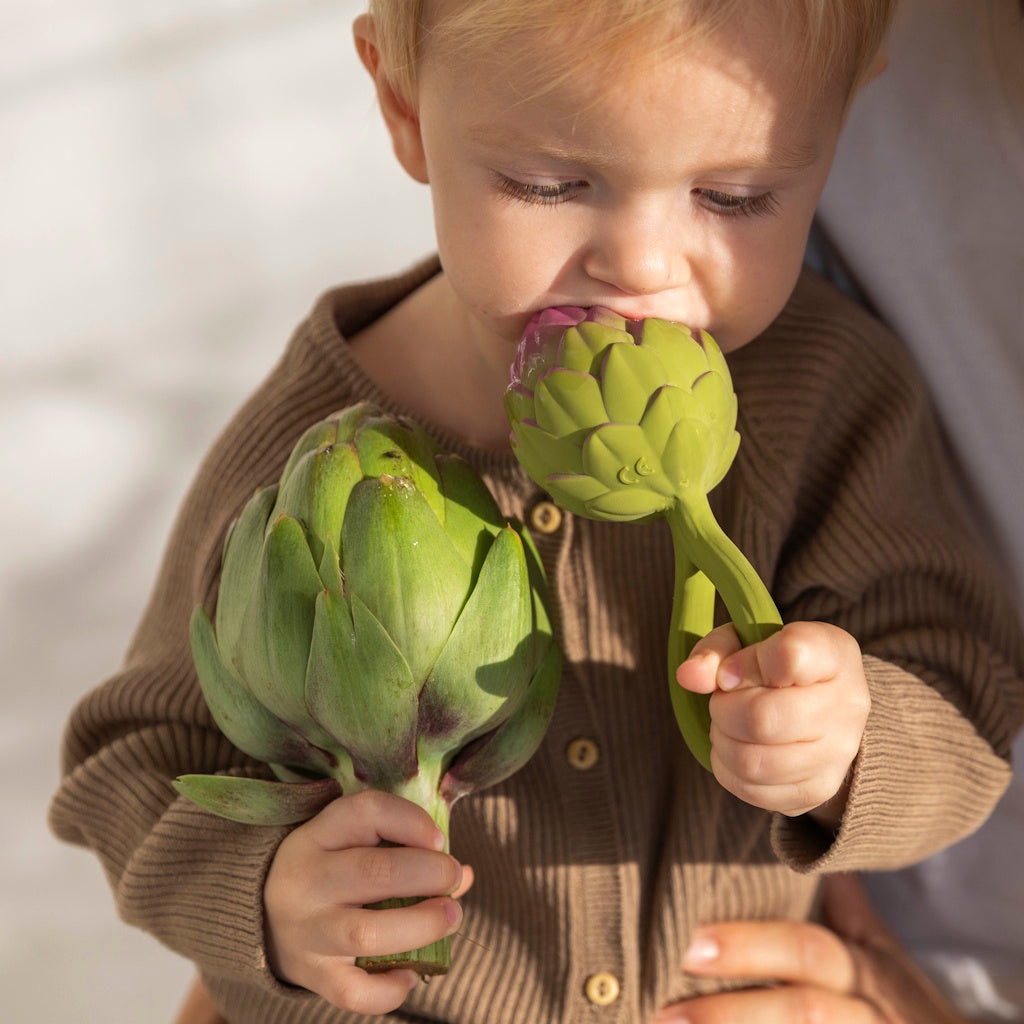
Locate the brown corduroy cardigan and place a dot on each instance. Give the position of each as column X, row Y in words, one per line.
column 840, row 499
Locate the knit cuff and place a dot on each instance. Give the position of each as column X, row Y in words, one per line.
column 923, row 780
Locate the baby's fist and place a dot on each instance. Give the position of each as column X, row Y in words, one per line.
column 787, row 715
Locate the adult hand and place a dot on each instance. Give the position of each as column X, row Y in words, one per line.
column 855, row 973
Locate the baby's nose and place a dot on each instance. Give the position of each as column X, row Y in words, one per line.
column 637, row 254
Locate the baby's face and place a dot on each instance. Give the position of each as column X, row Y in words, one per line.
column 683, row 189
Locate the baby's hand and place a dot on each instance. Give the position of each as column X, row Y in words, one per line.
column 327, row 869
column 787, row 715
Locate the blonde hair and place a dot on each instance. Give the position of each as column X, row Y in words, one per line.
column 838, row 39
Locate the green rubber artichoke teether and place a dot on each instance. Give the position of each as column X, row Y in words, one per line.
column 628, row 420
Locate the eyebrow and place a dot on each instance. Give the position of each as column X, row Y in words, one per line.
column 795, row 155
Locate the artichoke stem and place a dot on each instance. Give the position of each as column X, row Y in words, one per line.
column 696, row 532
column 693, row 612
column 436, row 957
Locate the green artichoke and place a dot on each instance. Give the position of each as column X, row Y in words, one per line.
column 378, row 624
column 630, row 420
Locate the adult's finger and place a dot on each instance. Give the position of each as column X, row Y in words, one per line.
column 791, row 1004
column 792, row 951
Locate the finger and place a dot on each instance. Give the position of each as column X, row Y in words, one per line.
column 699, row 672
column 353, row 989
column 367, row 874
column 798, row 952
column 465, row 884
column 371, row 816
column 797, row 714
column 772, row 783
column 785, row 1005
column 799, row 654
column 379, row 932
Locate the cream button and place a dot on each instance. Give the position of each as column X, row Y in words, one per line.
column 602, row 989
column 582, row 753
column 545, row 517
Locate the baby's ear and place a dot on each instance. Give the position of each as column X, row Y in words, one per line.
column 400, row 116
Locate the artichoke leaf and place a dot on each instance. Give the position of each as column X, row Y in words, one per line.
column 629, row 376
column 668, row 405
column 471, row 515
column 599, row 336
column 390, row 447
column 242, row 718
column 626, row 505
column 319, row 435
column 686, row 455
column 575, row 354
column 681, row 355
column 541, row 454
column 397, row 557
column 273, row 646
column 621, row 457
column 568, row 400
column 360, row 690
column 317, row 491
column 242, row 549
column 258, row 801
column 485, row 667
column 497, row 755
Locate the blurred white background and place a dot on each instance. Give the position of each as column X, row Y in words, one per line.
column 179, row 180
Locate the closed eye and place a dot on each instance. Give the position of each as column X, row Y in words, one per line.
column 728, row 204
column 545, row 195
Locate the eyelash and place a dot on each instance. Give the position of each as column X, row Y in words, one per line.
column 727, row 204
column 543, row 195
column 722, row 204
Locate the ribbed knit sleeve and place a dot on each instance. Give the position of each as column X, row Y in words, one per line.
column 858, row 523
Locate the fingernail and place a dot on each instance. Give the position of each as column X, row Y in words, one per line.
column 453, row 912
column 670, row 1017
column 728, row 678
column 438, row 840
column 703, row 950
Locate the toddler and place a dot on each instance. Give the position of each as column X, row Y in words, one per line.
column 660, row 158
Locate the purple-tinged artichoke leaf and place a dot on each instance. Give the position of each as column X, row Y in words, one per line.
column 242, row 718
column 485, row 667
column 360, row 690
column 496, row 755
column 258, row 801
